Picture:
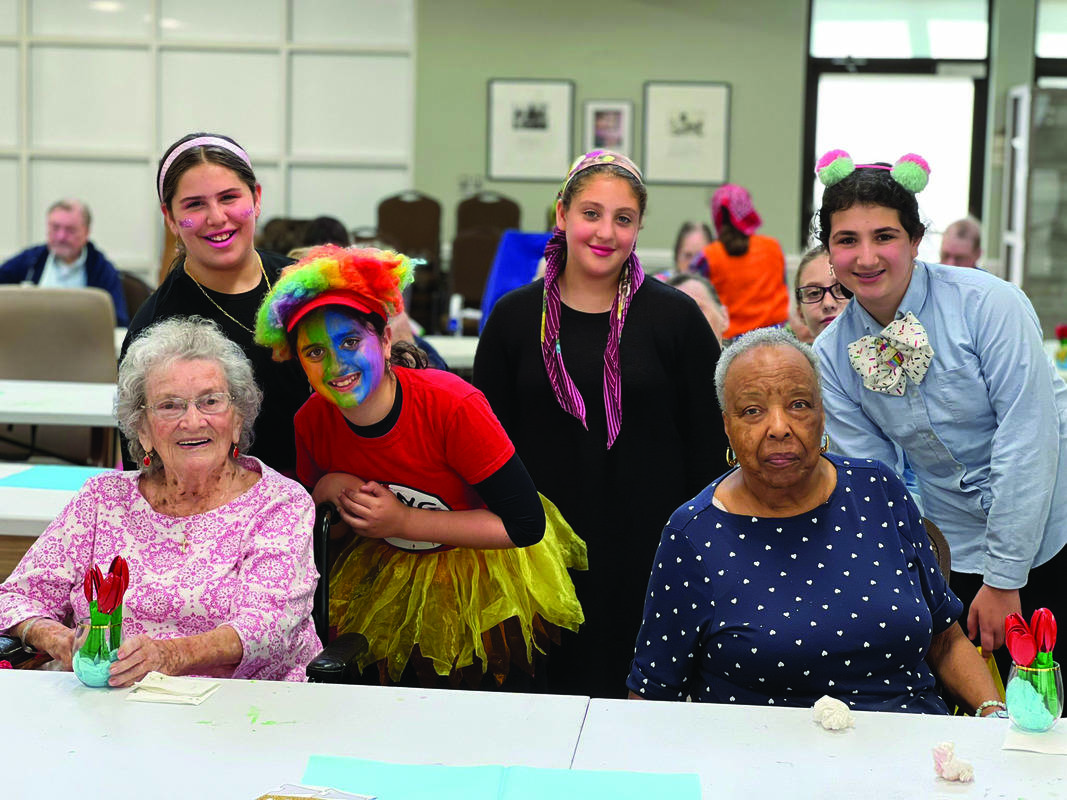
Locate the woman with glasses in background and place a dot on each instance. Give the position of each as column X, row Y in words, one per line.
column 820, row 298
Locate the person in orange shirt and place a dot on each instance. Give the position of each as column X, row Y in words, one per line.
column 748, row 271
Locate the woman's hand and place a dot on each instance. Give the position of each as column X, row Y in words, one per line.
column 139, row 656
column 55, row 639
column 375, row 512
column 986, row 616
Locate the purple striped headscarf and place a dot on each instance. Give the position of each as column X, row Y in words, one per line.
column 630, row 279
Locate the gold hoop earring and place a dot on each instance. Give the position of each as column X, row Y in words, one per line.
column 731, row 458
column 825, row 443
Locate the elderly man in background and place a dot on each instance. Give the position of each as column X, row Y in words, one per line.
column 69, row 259
column 961, row 244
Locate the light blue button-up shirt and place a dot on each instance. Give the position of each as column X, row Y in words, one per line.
column 63, row 275
column 985, row 431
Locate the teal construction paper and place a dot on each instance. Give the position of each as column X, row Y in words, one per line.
column 51, row 476
column 433, row 782
column 531, row 783
column 403, row 781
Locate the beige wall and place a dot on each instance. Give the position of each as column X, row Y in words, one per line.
column 759, row 47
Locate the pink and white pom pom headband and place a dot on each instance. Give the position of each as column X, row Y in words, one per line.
column 910, row 171
column 199, row 141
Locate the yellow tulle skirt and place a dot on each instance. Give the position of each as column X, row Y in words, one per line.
column 459, row 607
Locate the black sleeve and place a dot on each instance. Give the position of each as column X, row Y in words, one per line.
column 706, row 454
column 511, row 495
column 494, row 368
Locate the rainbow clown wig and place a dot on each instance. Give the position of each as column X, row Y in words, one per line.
column 367, row 280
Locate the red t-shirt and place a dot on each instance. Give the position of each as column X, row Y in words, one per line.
column 445, row 440
column 752, row 286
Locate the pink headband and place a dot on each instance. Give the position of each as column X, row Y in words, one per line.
column 200, row 141
column 595, row 157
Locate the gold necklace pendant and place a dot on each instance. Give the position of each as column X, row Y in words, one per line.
column 211, row 300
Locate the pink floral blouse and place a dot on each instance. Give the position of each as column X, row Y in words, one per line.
column 248, row 564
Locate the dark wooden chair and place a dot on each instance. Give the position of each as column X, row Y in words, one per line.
column 487, row 211
column 135, row 290
column 411, row 223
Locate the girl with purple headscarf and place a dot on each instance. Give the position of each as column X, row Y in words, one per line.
column 603, row 381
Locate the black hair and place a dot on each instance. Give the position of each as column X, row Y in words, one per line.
column 326, row 230
column 869, row 186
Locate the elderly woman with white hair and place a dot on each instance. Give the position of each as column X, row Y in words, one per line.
column 799, row 573
column 218, row 544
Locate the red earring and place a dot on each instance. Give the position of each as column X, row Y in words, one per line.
column 147, row 460
column 236, row 452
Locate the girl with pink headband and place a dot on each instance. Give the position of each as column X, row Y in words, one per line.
column 604, row 382
column 946, row 366
column 210, row 201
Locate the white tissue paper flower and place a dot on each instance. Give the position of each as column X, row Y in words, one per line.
column 832, row 714
column 947, row 766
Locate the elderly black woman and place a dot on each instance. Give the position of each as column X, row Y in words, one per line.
column 799, row 573
column 218, row 544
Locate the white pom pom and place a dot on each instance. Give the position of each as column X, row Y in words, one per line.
column 832, row 714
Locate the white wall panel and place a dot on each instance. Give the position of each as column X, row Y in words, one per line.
column 350, row 194
column 237, row 94
column 354, row 22
column 9, row 96
column 9, row 208
column 90, row 98
column 120, row 195
column 273, row 203
column 229, row 21
column 352, row 105
column 9, row 17
column 109, row 19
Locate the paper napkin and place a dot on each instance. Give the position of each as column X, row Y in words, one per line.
column 155, row 687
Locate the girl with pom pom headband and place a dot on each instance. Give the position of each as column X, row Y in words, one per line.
column 931, row 360
column 368, row 280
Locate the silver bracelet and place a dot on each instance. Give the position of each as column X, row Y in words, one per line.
column 991, row 704
column 25, row 633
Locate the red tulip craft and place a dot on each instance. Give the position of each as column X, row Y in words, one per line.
column 1043, row 629
column 1020, row 641
column 1032, row 692
column 104, row 595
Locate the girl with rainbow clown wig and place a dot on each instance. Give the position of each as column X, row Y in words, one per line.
column 947, row 366
column 470, row 597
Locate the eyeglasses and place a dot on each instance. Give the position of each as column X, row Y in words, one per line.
column 175, row 407
column 815, row 294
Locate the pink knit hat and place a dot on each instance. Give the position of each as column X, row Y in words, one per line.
column 737, row 202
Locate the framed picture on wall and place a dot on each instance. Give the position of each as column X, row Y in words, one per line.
column 687, row 132
column 609, row 124
column 531, row 128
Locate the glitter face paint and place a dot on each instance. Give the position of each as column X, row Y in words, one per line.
column 343, row 359
column 186, row 223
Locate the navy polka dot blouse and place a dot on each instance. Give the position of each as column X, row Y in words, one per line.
column 840, row 601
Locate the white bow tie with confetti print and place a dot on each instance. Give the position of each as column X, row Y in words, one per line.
column 886, row 362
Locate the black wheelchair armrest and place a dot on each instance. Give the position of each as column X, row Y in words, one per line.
column 12, row 651
column 337, row 663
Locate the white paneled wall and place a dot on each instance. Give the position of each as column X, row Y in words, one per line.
column 320, row 93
